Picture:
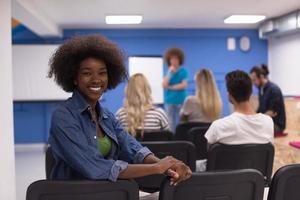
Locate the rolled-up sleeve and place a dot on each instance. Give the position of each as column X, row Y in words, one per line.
column 69, row 144
column 141, row 155
column 118, row 167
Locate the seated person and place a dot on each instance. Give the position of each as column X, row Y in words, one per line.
column 139, row 115
column 244, row 126
column 271, row 100
column 87, row 141
column 206, row 105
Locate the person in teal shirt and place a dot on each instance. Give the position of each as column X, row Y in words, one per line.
column 175, row 85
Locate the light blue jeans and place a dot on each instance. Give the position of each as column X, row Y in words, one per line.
column 173, row 115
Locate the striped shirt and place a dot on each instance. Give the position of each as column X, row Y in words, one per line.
column 155, row 119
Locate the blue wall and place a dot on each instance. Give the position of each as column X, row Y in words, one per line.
column 202, row 47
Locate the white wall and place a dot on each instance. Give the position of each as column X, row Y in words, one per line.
column 284, row 62
column 7, row 159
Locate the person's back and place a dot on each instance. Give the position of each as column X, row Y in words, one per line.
column 155, row 119
column 244, row 126
column 191, row 111
column 239, row 128
column 138, row 113
column 206, row 105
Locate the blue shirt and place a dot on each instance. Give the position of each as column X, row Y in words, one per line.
column 74, row 142
column 176, row 97
column 271, row 98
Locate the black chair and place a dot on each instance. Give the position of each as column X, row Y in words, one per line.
column 247, row 184
column 183, row 128
column 182, row 150
column 79, row 189
column 246, row 156
column 285, row 183
column 82, row 190
column 163, row 135
column 196, row 135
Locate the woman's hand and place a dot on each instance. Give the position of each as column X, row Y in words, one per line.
column 164, row 164
column 179, row 172
column 171, row 69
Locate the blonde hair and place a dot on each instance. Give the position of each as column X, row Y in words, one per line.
column 208, row 94
column 137, row 102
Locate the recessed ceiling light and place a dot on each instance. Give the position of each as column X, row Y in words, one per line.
column 244, row 19
column 123, row 19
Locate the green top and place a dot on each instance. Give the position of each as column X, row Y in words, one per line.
column 105, row 145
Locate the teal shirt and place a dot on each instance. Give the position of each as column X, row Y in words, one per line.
column 176, row 97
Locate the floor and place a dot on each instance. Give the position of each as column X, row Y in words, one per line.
column 284, row 153
column 30, row 164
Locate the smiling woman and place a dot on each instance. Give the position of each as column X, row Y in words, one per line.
column 87, row 140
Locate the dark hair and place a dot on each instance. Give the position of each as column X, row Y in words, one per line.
column 263, row 70
column 174, row 52
column 239, row 85
column 65, row 62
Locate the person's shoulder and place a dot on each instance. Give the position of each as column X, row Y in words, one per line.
column 274, row 86
column 63, row 113
column 63, row 109
column 265, row 118
column 191, row 99
column 158, row 110
column 183, row 70
column 225, row 121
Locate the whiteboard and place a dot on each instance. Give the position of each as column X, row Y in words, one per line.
column 152, row 69
column 30, row 69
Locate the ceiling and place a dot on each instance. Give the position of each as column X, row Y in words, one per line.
column 49, row 17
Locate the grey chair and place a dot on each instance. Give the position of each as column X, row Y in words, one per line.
column 79, row 189
column 247, row 184
column 82, row 190
column 196, row 136
column 182, row 150
column 163, row 135
column 285, row 183
column 182, row 129
column 245, row 156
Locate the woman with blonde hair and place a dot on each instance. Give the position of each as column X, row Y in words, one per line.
column 206, row 105
column 138, row 113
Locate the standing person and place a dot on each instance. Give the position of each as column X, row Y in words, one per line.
column 175, row 85
column 139, row 115
column 206, row 105
column 87, row 141
column 271, row 100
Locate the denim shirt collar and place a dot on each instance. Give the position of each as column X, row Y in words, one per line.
column 79, row 102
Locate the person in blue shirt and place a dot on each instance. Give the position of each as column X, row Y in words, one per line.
column 271, row 100
column 87, row 141
column 175, row 85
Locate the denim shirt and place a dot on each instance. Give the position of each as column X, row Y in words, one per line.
column 74, row 143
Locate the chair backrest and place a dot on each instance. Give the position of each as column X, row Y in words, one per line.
column 82, row 190
column 196, row 135
column 247, row 184
column 183, row 128
column 163, row 135
column 245, row 156
column 285, row 183
column 182, row 150
column 49, row 161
